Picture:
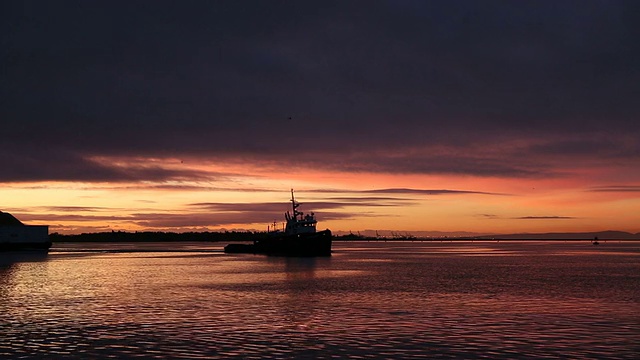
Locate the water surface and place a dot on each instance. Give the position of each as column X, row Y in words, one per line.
column 369, row 300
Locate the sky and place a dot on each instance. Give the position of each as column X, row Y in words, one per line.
column 405, row 116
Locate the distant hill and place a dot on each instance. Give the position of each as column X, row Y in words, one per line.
column 604, row 235
column 121, row 236
column 389, row 234
column 404, row 233
column 154, row 236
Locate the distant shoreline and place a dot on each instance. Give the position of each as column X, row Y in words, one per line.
column 148, row 236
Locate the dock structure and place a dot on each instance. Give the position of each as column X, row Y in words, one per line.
column 14, row 235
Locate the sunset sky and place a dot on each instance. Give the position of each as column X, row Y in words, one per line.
column 405, row 116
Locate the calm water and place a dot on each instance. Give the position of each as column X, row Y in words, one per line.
column 369, row 300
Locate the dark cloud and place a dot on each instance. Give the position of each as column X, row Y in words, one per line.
column 215, row 220
column 205, row 215
column 544, row 218
column 74, row 208
column 352, row 78
column 549, row 217
column 71, row 217
column 367, row 199
column 275, row 208
column 66, row 166
column 426, row 161
column 426, row 191
column 397, row 191
column 617, row 188
column 600, row 147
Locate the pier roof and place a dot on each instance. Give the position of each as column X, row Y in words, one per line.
column 7, row 219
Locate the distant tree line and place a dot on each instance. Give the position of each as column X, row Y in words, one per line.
column 158, row 236
column 149, row 236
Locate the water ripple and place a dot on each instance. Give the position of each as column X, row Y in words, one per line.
column 411, row 300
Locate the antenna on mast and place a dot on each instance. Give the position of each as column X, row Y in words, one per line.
column 294, row 206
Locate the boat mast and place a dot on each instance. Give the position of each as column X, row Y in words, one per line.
column 294, row 206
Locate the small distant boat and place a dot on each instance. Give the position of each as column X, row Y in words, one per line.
column 16, row 236
column 299, row 237
column 595, row 241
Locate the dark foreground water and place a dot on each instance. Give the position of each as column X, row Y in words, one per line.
column 369, row 300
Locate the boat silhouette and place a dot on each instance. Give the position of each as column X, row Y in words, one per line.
column 299, row 237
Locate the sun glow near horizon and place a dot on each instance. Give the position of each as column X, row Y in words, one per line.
column 343, row 202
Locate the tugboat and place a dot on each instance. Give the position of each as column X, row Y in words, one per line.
column 299, row 237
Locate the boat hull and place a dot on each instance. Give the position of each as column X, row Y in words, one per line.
column 302, row 245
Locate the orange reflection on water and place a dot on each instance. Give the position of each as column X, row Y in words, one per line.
column 465, row 299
